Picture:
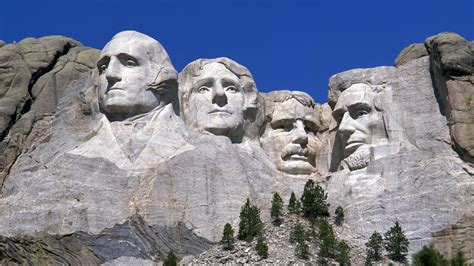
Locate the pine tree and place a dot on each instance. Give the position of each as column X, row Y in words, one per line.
column 459, row 259
column 342, row 253
column 250, row 224
column 171, row 259
column 294, row 205
column 429, row 256
column 276, row 210
column 396, row 244
column 228, row 237
column 302, row 250
column 374, row 248
column 262, row 248
column 339, row 219
column 313, row 200
column 328, row 240
column 298, row 234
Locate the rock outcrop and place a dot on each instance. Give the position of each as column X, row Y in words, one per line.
column 84, row 181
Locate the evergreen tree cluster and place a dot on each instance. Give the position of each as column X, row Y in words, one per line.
column 428, row 255
column 250, row 225
column 394, row 242
column 313, row 206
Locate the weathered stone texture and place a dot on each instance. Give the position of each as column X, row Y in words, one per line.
column 80, row 188
column 411, row 52
column 34, row 74
column 452, row 65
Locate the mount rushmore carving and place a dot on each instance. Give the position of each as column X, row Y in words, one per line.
column 130, row 145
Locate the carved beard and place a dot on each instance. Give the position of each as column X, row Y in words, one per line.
column 357, row 160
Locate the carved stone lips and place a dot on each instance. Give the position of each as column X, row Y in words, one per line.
column 219, row 111
column 114, row 89
column 352, row 145
column 297, row 155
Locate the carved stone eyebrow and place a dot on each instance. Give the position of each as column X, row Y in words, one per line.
column 359, row 105
column 205, row 81
column 103, row 60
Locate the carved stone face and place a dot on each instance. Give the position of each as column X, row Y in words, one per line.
column 216, row 102
column 360, row 124
column 289, row 138
column 125, row 73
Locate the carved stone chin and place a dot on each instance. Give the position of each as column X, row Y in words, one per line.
column 357, row 160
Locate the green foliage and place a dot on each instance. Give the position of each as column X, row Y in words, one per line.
column 262, row 248
column 313, row 200
column 374, row 248
column 298, row 234
column 276, row 210
column 294, row 204
column 328, row 240
column 250, row 224
column 429, row 256
column 228, row 237
column 459, row 259
column 396, row 244
column 342, row 253
column 302, row 250
column 171, row 259
column 339, row 219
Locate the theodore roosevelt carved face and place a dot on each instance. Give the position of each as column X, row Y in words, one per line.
column 289, row 137
column 360, row 124
column 215, row 95
column 134, row 74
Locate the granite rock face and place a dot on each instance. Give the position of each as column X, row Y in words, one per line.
column 84, row 181
column 452, row 64
column 35, row 73
column 415, row 164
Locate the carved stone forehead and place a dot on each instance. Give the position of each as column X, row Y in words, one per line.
column 356, row 93
column 216, row 70
column 136, row 44
column 292, row 109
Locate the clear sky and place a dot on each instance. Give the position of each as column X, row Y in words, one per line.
column 295, row 45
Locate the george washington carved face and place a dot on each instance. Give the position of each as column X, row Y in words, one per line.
column 130, row 66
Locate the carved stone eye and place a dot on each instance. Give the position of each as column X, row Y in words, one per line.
column 231, row 89
column 361, row 113
column 203, row 89
column 102, row 68
column 131, row 62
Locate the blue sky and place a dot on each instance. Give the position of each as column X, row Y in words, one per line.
column 295, row 45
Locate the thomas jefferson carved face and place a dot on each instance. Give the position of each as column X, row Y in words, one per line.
column 219, row 96
column 290, row 134
column 128, row 65
column 216, row 102
column 360, row 123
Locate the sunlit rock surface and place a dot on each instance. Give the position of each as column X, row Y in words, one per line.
column 80, row 187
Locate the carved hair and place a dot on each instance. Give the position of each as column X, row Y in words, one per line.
column 278, row 97
column 284, row 95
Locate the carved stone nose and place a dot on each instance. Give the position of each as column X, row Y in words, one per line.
column 347, row 125
column 299, row 135
column 112, row 73
column 218, row 96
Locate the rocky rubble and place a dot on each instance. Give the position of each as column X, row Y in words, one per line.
column 280, row 250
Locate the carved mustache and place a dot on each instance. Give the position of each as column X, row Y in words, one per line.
column 290, row 150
